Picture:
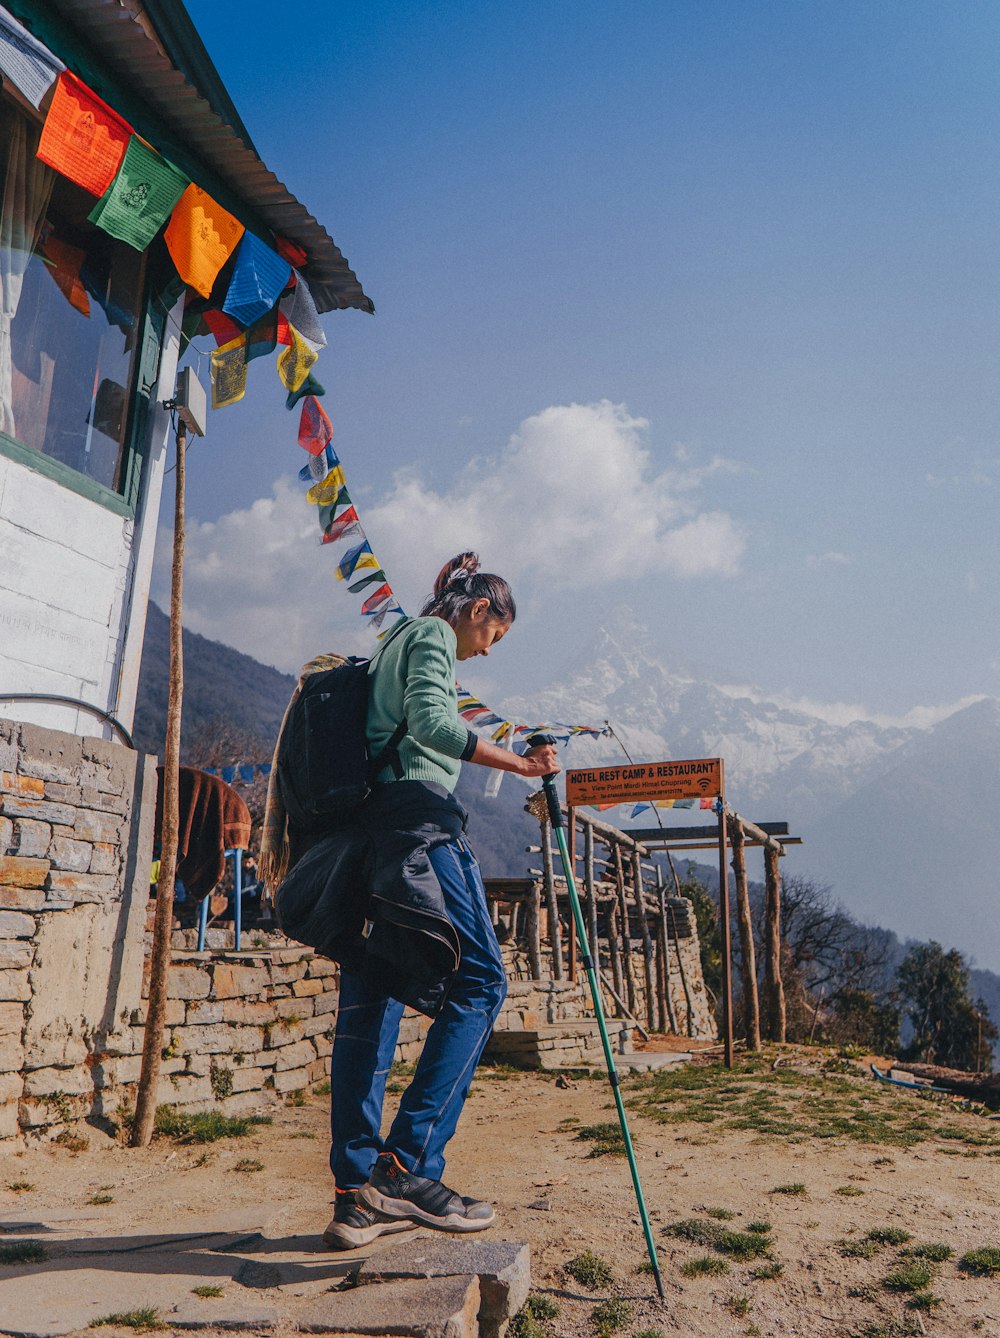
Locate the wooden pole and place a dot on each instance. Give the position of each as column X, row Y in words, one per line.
column 533, row 931
column 159, row 966
column 774, row 988
column 571, row 824
column 668, row 1003
column 552, row 905
column 626, row 930
column 588, row 868
column 682, row 972
column 751, row 1002
column 647, row 941
column 613, row 949
column 725, row 936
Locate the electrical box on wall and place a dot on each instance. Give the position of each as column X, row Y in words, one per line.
column 190, row 402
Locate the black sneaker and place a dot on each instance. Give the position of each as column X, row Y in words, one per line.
column 355, row 1224
column 398, row 1193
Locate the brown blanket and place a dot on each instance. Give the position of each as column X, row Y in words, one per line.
column 213, row 819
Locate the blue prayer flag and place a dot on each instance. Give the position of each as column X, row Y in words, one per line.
column 258, row 278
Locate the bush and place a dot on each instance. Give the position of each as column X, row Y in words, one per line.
column 204, row 1126
column 704, row 1266
column 589, row 1270
column 611, row 1315
column 983, row 1262
column 909, row 1278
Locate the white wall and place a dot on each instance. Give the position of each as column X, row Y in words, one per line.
column 74, row 582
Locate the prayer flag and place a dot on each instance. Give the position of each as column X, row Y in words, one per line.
column 30, row 66
column 290, row 251
column 201, row 236
column 262, row 336
column 353, row 558
column 315, row 428
column 331, row 510
column 223, row 327
column 319, row 466
column 374, row 578
column 373, row 601
column 310, row 386
column 246, row 773
column 294, row 363
column 82, row 137
column 229, row 373
column 300, row 311
column 340, row 529
column 141, row 196
column 322, row 494
column 259, row 276
column 379, row 618
column 228, row 774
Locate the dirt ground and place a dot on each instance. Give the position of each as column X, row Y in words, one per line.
column 517, row 1147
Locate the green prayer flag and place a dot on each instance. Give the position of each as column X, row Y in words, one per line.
column 140, row 199
column 368, row 580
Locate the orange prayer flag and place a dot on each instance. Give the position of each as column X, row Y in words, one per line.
column 201, row 236
column 82, row 137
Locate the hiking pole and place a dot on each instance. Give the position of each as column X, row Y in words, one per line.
column 590, row 966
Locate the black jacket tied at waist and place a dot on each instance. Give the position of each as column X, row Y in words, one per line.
column 367, row 896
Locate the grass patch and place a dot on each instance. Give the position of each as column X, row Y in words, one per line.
column 766, row 1272
column 207, row 1290
column 720, row 1214
column 705, row 1266
column 858, row 1249
column 322, row 1088
column 607, row 1139
column 761, row 1227
column 933, row 1251
column 848, row 1191
column 739, row 1305
column 983, row 1262
column 889, row 1235
column 98, row 1199
column 204, row 1126
column 892, row 1328
column 743, row 1245
column 590, row 1270
column 925, row 1301
column 908, row 1278
column 695, row 1230
column 796, row 1189
column 22, row 1252
column 611, row 1315
column 531, row 1320
column 648, row 1333
column 248, row 1165
column 20, row 1186
column 144, row 1320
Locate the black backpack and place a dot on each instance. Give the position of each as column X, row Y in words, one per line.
column 324, row 769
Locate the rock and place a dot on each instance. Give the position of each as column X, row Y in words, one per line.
column 440, row 1307
column 503, row 1269
column 254, row 1274
column 541, row 1206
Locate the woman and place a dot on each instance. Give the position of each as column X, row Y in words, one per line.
column 396, row 1184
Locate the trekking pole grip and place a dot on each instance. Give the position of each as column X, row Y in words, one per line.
column 549, row 781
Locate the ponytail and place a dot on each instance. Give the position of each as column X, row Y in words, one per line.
column 460, row 584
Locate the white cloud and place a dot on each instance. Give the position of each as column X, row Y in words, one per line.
column 573, row 501
column 847, row 713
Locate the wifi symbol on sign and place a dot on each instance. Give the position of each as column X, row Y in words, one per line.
column 704, row 784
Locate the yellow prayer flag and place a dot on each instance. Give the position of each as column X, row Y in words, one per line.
column 366, row 560
column 325, row 493
column 294, row 363
column 201, row 236
column 229, row 373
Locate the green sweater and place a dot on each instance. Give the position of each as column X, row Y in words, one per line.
column 413, row 675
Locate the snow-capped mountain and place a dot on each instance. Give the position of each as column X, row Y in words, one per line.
column 898, row 818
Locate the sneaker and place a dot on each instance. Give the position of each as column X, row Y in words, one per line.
column 398, row 1193
column 355, row 1224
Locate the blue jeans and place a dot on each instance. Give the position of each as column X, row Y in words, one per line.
column 365, row 1043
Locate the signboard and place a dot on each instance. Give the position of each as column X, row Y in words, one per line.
column 700, row 778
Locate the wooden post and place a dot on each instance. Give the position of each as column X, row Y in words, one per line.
column 159, row 967
column 614, row 951
column 726, row 937
column 668, row 1003
column 626, row 931
column 588, row 866
column 533, row 931
column 751, row 1003
column 647, row 942
column 774, row 988
column 681, row 970
column 555, row 936
column 571, row 824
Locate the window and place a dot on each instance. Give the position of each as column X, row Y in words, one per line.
column 70, row 299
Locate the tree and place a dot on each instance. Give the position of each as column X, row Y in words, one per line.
column 949, row 1028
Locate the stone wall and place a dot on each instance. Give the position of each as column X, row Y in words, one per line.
column 76, row 818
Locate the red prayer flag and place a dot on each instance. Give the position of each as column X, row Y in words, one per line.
column 223, row 327
column 82, row 137
column 383, row 593
column 291, row 252
column 338, row 528
column 315, row 428
column 284, row 330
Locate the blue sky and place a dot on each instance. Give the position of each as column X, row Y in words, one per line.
column 754, row 243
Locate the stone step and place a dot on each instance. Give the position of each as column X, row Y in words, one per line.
column 437, row 1307
column 571, row 1044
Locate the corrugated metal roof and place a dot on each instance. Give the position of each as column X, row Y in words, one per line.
column 121, row 43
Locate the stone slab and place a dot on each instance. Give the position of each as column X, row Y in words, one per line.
column 429, row 1308
column 502, row 1266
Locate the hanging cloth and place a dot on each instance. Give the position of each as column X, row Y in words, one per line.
column 83, row 138
column 139, row 200
column 259, row 276
column 26, row 193
column 229, row 373
column 201, row 236
column 30, row 67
